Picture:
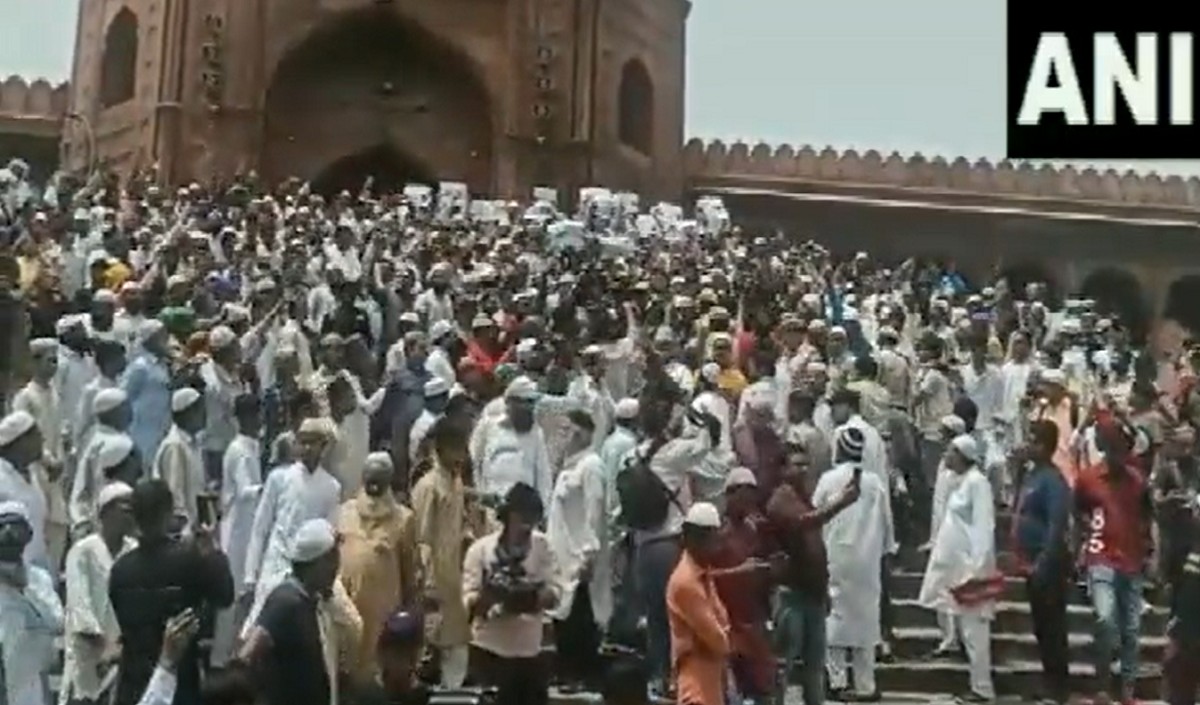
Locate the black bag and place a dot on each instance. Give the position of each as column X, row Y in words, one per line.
column 644, row 497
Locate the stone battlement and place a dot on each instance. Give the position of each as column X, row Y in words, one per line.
column 38, row 100
column 716, row 160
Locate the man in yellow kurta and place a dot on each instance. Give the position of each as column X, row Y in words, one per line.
column 379, row 562
column 439, row 506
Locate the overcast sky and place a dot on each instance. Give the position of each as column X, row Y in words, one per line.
column 917, row 75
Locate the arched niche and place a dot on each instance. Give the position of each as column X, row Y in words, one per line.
column 1119, row 294
column 1021, row 274
column 635, row 108
column 118, row 64
column 1183, row 303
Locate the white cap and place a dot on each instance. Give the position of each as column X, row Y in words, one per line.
column 1053, row 376
column 321, row 425
column 15, row 425
column 150, row 328
column 379, row 459
column 114, row 450
column 740, row 477
column 108, row 399
column 313, row 539
column 627, row 408
column 522, row 388
column 710, row 371
column 105, row 296
column 703, row 514
column 954, row 424
column 436, row 387
column 183, row 399
column 221, row 337
column 43, row 346
column 969, row 448
column 111, row 493
column 410, row 317
column 440, row 329
column 13, row 508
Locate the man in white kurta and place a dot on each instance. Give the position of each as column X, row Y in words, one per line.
column 437, row 394
column 93, row 637
column 111, row 412
column 576, row 528
column 20, row 451
column 513, row 447
column 31, row 616
column 945, row 484
column 856, row 541
column 241, row 486
column 291, row 496
column 179, row 461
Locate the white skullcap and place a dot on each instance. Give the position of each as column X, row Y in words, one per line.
column 440, row 329
column 319, row 425
column 105, row 296
column 111, row 493
column 114, row 450
column 131, row 287
column 593, row 350
column 410, row 317
column 43, row 346
column 14, row 509
column 526, row 346
column 1053, row 376
column 236, row 313
column 379, row 459
column 851, row 442
column 759, row 399
column 704, row 515
column 482, row 321
column 66, row 323
column 15, row 425
column 436, row 387
column 150, row 328
column 522, row 388
column 710, row 371
column 108, row 399
column 221, row 337
column 313, row 539
column 627, row 408
column 183, row 399
column 740, row 477
column 954, row 424
column 968, row 447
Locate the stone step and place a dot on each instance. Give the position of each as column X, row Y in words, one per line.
column 907, row 585
column 1014, row 617
column 1012, row 678
column 914, row 643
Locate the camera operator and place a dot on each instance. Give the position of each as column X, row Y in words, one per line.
column 507, row 585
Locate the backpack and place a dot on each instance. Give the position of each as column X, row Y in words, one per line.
column 644, row 497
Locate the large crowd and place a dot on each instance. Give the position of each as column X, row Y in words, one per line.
column 262, row 445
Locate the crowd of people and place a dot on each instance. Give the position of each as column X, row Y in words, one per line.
column 261, row 445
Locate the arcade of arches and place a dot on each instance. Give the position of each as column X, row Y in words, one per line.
column 371, row 94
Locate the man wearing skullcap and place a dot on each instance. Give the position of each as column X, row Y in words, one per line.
column 856, row 541
column 31, row 613
column 292, row 495
column 1113, row 502
column 147, row 383
column 92, row 635
column 512, row 448
column 110, row 409
column 76, row 365
column 436, row 303
column 156, row 581
column 484, row 345
column 288, row 639
column 103, row 311
column 378, row 557
column 442, row 336
column 179, row 461
column 129, row 317
column 241, row 486
column 21, row 481
column 110, row 358
column 437, row 395
column 699, row 622
column 223, row 384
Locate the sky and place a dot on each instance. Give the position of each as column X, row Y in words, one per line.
column 916, row 75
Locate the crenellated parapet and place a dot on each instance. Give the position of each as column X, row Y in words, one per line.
column 38, row 100
column 716, row 159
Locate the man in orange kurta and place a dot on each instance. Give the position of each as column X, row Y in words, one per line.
column 699, row 624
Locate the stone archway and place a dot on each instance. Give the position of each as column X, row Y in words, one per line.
column 1183, row 302
column 389, row 169
column 371, row 88
column 1119, row 293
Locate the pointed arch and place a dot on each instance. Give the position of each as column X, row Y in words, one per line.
column 1119, row 293
column 1183, row 302
column 1021, row 274
column 635, row 107
column 118, row 65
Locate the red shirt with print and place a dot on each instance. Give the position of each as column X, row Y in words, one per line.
column 1116, row 508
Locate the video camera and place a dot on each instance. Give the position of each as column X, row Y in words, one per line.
column 510, row 583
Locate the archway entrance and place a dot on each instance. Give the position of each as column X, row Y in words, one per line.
column 372, row 90
column 1183, row 303
column 389, row 169
column 1022, row 274
column 1119, row 293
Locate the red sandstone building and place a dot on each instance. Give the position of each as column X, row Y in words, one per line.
column 508, row 94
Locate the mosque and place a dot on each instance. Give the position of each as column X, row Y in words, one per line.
column 505, row 95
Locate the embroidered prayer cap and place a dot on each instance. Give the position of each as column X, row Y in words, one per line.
column 112, row 492
column 968, row 447
column 440, row 329
column 114, row 450
column 436, row 387
column 108, row 399
column 313, row 539
column 953, row 424
column 703, row 515
column 627, row 408
column 221, row 337
column 183, row 399
column 850, row 443
column 318, row 426
column 522, row 389
column 740, row 477
column 15, row 425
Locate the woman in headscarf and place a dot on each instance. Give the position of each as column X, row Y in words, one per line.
column 963, row 560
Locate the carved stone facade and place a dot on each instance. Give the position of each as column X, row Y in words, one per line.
column 503, row 94
column 31, row 118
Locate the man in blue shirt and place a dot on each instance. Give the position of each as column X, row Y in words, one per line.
column 1040, row 529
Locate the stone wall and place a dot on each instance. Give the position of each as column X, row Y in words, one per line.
column 32, row 101
column 1004, row 179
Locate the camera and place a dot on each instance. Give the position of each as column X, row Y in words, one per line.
column 511, row 585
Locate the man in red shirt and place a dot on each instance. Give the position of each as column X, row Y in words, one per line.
column 1114, row 508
